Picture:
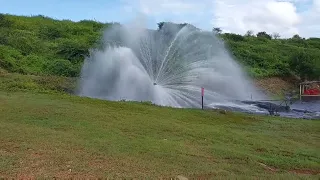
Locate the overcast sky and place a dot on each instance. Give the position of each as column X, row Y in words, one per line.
column 286, row 17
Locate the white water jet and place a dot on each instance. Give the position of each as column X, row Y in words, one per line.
column 167, row 66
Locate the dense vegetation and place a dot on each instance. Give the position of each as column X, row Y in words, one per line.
column 266, row 56
column 40, row 45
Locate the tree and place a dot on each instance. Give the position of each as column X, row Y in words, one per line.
column 4, row 21
column 61, row 67
column 217, row 30
column 263, row 35
column 51, row 32
column 234, row 37
column 249, row 33
column 276, row 35
column 305, row 65
column 160, row 25
column 180, row 26
column 72, row 50
column 296, row 36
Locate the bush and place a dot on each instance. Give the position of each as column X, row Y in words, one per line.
column 5, row 21
column 51, row 31
column 61, row 67
column 73, row 50
column 4, row 33
column 33, row 64
column 26, row 42
column 9, row 59
column 306, row 64
column 234, row 37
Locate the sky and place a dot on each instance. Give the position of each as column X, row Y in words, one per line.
column 286, row 17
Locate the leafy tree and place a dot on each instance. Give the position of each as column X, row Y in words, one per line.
column 96, row 26
column 4, row 21
column 217, row 30
column 296, row 36
column 276, row 35
column 61, row 67
column 51, row 32
column 263, row 35
column 234, row 37
column 249, row 33
column 72, row 50
column 25, row 41
column 160, row 25
column 304, row 64
column 4, row 33
column 9, row 59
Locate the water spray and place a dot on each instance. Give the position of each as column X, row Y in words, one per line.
column 182, row 60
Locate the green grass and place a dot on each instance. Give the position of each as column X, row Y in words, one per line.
column 41, row 84
column 48, row 135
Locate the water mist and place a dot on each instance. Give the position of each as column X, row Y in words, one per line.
column 167, row 66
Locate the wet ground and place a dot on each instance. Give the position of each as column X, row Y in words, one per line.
column 298, row 109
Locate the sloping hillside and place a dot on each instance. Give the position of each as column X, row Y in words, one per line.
column 40, row 45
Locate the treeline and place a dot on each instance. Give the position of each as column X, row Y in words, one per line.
column 40, row 45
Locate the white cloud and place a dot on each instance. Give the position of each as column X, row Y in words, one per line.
column 311, row 24
column 267, row 15
column 157, row 7
column 286, row 17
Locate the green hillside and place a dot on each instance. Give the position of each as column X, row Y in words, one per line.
column 45, row 132
column 40, row 45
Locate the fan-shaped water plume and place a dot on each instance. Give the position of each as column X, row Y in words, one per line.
column 168, row 67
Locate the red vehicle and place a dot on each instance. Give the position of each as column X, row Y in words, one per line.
column 310, row 90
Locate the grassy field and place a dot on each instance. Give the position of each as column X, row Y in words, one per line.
column 45, row 133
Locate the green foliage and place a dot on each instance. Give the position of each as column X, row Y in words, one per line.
column 306, row 64
column 95, row 25
column 4, row 21
column 45, row 84
column 51, row 31
column 233, row 37
column 266, row 57
column 263, row 35
column 61, row 67
column 40, row 45
column 9, row 59
column 33, row 64
column 4, row 33
column 25, row 41
column 72, row 49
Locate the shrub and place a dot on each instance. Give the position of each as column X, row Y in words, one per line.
column 61, row 67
